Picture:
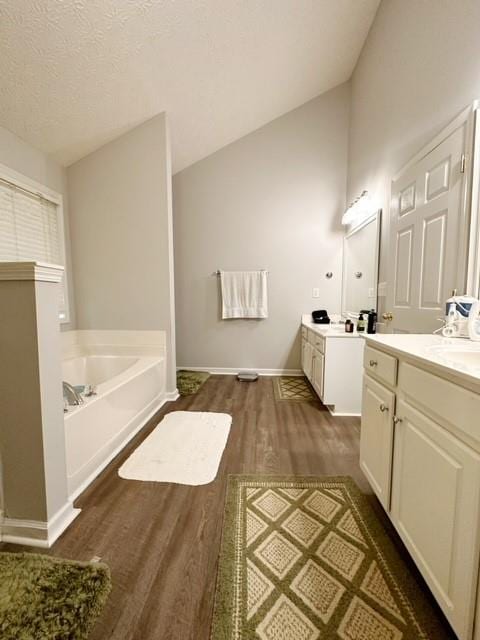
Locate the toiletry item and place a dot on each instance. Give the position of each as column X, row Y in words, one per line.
column 320, row 316
column 372, row 321
column 348, row 326
column 361, row 323
column 474, row 322
column 450, row 330
column 462, row 307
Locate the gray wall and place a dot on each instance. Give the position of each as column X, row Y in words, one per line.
column 20, row 156
column 419, row 68
column 272, row 200
column 120, row 204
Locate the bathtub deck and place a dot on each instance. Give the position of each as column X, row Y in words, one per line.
column 162, row 541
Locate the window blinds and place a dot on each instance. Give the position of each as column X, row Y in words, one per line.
column 30, row 230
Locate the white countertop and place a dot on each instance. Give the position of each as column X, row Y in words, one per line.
column 458, row 356
column 327, row 330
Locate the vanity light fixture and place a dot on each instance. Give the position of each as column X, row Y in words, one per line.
column 358, row 209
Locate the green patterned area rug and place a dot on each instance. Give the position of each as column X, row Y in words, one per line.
column 307, row 559
column 46, row 598
column 292, row 388
column 189, row 382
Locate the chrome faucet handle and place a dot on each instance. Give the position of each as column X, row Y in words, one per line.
column 73, row 397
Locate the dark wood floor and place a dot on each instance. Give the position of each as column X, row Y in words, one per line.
column 162, row 541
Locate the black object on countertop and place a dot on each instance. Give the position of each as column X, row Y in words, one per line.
column 372, row 321
column 320, row 317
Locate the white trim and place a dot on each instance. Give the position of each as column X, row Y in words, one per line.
column 171, row 396
column 473, row 266
column 26, row 183
column 338, row 414
column 374, row 217
column 36, row 271
column 227, row 371
column 452, row 126
column 37, row 533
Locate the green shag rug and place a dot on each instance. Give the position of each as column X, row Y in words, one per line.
column 189, row 382
column 46, row 598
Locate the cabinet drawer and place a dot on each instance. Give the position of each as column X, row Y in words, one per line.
column 447, row 403
column 305, row 333
column 381, row 365
column 311, row 337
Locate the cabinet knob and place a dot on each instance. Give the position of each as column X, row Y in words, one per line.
column 388, row 316
column 373, row 363
column 396, row 419
column 383, row 407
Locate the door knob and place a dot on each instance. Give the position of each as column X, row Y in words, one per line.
column 383, row 408
column 388, row 315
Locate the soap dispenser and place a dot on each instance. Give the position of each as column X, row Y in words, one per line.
column 474, row 322
column 361, row 323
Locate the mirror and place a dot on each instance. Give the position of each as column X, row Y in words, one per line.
column 360, row 266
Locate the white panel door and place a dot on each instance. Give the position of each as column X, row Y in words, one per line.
column 376, row 437
column 428, row 229
column 435, row 508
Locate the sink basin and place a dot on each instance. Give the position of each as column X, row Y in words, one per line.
column 463, row 357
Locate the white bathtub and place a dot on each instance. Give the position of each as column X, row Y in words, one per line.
column 130, row 389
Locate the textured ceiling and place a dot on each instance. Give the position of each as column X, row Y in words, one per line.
column 74, row 74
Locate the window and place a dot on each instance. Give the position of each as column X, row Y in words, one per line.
column 31, row 226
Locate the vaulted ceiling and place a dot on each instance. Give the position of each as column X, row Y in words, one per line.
column 75, row 74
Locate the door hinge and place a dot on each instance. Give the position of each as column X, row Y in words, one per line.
column 463, row 162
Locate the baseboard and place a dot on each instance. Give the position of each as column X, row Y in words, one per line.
column 341, row 414
column 36, row 533
column 170, row 396
column 233, row 371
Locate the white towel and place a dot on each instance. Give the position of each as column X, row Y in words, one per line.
column 244, row 294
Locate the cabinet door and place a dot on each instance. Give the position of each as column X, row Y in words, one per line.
column 304, row 343
column 308, row 360
column 317, row 374
column 376, row 437
column 435, row 508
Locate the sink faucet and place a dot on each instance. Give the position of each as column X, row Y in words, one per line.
column 72, row 396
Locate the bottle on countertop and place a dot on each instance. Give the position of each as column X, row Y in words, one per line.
column 348, row 326
column 474, row 322
column 361, row 323
column 372, row 321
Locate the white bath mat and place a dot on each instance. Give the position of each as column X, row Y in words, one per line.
column 186, row 448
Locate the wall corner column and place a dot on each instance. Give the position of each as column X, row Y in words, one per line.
column 36, row 507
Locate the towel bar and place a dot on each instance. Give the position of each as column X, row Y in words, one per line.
column 217, row 272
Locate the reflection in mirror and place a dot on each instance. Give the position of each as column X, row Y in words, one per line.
column 360, row 267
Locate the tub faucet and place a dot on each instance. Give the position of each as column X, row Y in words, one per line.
column 72, row 396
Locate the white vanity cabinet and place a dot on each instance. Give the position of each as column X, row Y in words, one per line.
column 420, row 450
column 332, row 362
